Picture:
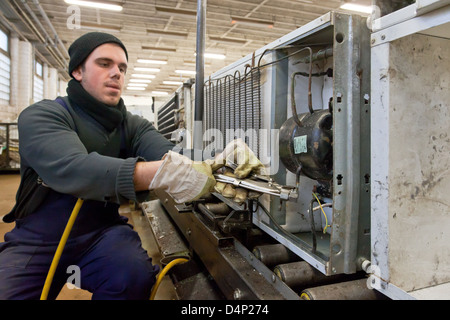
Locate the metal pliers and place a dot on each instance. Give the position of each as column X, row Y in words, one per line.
column 262, row 184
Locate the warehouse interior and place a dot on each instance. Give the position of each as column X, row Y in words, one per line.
column 161, row 32
column 345, row 103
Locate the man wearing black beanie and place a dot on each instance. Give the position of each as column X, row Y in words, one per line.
column 86, row 145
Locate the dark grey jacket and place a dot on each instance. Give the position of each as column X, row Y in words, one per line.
column 74, row 154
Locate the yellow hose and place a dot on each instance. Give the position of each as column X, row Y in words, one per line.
column 59, row 250
column 163, row 273
column 62, row 244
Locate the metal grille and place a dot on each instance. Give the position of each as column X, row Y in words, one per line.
column 233, row 109
column 167, row 117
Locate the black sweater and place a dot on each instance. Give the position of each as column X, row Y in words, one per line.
column 74, row 154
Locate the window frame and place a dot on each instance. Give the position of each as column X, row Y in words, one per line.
column 6, row 53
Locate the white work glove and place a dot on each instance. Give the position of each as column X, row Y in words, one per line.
column 183, row 179
column 240, row 157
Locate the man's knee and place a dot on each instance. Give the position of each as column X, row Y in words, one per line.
column 121, row 268
column 133, row 282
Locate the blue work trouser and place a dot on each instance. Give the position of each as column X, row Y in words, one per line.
column 111, row 261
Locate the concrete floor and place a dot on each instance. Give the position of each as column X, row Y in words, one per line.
column 9, row 182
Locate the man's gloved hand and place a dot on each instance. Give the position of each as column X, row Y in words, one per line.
column 183, row 179
column 240, row 157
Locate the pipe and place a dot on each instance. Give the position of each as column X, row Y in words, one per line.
column 293, row 106
column 60, row 248
column 199, row 75
column 11, row 26
column 58, row 39
column 26, row 20
column 220, row 209
column 302, row 275
column 319, row 55
column 274, row 254
column 58, row 55
column 349, row 290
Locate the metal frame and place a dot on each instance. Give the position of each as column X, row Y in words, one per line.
column 416, row 18
column 235, row 270
column 350, row 240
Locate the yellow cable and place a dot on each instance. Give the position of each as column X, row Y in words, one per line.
column 59, row 250
column 326, row 219
column 163, row 273
column 62, row 243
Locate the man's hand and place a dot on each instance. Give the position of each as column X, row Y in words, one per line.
column 186, row 180
column 238, row 161
column 238, row 156
column 183, row 179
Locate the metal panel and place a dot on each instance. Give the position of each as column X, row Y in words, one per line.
column 410, row 148
column 350, row 199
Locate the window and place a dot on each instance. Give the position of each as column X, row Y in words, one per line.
column 38, row 82
column 5, row 68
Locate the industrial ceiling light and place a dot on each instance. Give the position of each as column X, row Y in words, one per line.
column 147, row 69
column 176, row 12
column 160, row 93
column 228, row 40
column 151, row 61
column 252, row 22
column 193, row 63
column 133, row 84
column 93, row 4
column 216, row 56
column 100, row 27
column 140, row 80
column 143, row 76
column 356, row 7
column 185, row 72
column 161, row 49
column 167, row 34
column 135, row 88
column 172, row 82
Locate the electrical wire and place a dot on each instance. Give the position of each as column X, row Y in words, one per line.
column 321, row 208
column 163, row 273
column 60, row 248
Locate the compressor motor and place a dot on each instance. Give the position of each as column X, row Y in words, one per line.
column 306, row 145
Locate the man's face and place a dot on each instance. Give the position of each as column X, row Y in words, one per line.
column 103, row 73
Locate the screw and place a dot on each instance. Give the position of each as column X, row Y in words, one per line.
column 274, row 277
column 237, row 294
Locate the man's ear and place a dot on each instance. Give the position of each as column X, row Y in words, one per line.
column 76, row 73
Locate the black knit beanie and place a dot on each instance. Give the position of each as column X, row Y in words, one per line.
column 84, row 45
